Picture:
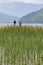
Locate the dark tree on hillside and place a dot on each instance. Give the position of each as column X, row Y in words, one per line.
column 14, row 22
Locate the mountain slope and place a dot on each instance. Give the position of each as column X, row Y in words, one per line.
column 19, row 8
column 34, row 17
column 7, row 18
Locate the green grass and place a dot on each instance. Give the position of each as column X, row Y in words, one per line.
column 21, row 45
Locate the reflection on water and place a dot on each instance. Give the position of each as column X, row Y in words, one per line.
column 32, row 24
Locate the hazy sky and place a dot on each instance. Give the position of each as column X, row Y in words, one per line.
column 27, row 1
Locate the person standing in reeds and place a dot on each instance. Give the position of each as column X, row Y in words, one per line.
column 14, row 22
column 20, row 23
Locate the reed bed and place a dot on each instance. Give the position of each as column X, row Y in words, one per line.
column 21, row 45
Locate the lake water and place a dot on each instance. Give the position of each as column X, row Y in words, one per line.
column 23, row 24
column 6, row 24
